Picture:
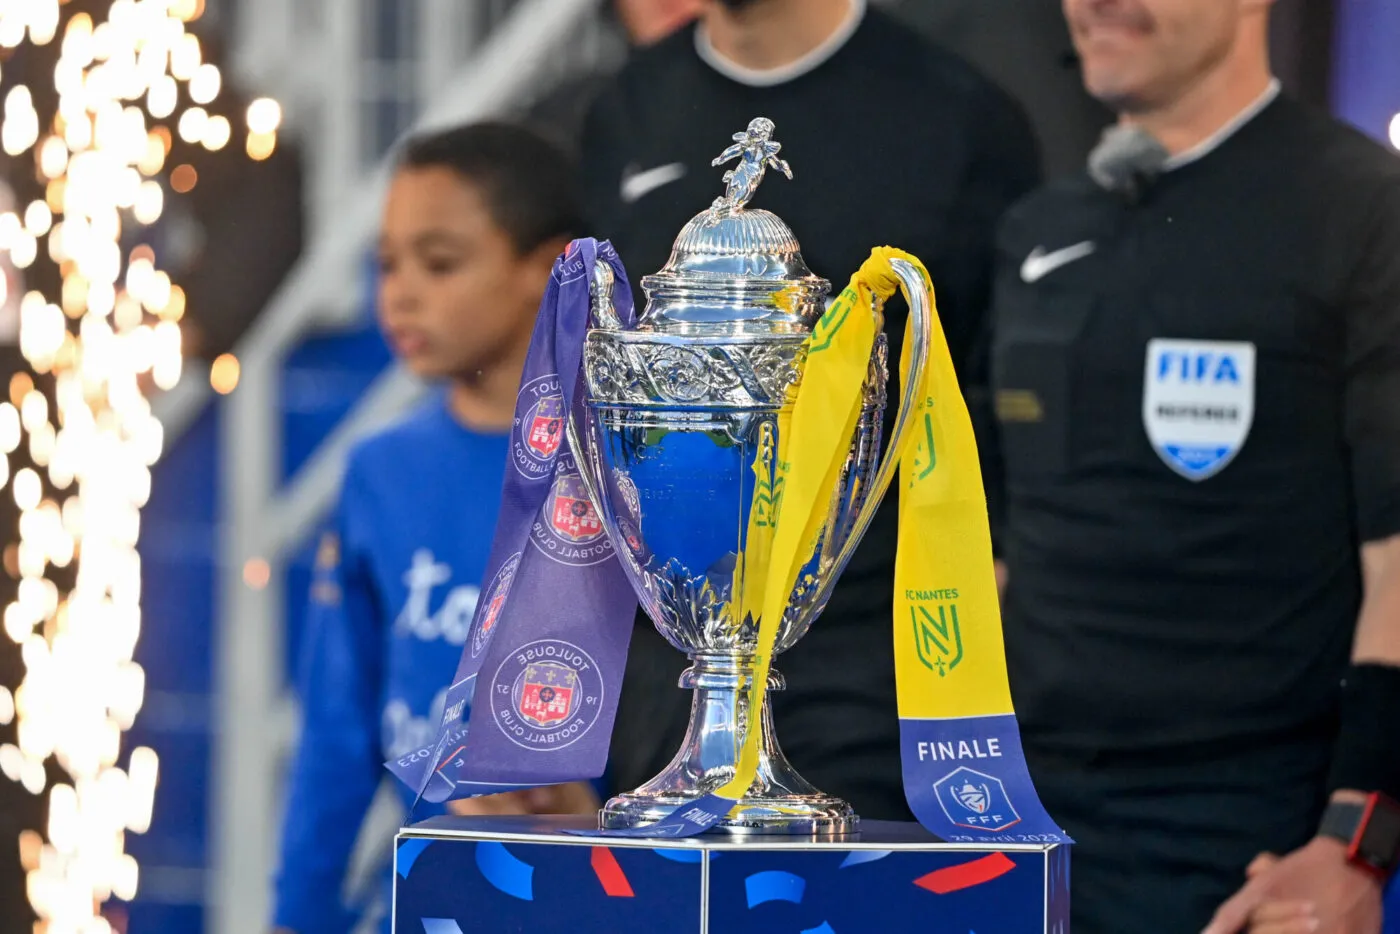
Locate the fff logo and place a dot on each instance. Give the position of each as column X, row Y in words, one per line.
column 937, row 630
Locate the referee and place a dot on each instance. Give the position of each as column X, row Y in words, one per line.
column 1196, row 375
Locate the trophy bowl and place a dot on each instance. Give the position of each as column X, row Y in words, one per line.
column 681, row 410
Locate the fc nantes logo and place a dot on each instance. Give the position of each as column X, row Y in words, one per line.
column 925, row 454
column 937, row 631
column 768, row 472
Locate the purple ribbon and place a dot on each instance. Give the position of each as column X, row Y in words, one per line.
column 543, row 663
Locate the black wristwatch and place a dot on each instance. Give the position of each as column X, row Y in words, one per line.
column 1370, row 829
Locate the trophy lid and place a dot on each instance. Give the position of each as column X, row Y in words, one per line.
column 733, row 269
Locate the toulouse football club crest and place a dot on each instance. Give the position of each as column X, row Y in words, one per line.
column 490, row 611
column 573, row 517
column 546, row 695
column 546, row 426
column 540, row 431
column 568, row 529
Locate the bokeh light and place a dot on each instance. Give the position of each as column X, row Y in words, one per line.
column 257, row 573
column 184, row 178
column 224, row 373
column 261, row 145
column 264, row 116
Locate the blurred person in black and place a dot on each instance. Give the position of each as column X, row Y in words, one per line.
column 634, row 24
column 1024, row 47
column 1196, row 369
column 891, row 142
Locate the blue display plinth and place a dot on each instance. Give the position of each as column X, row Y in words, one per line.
column 458, row 875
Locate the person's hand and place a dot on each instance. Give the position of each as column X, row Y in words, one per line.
column 1312, row 890
column 573, row 798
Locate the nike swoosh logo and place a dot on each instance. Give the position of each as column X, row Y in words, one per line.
column 636, row 183
column 1040, row 264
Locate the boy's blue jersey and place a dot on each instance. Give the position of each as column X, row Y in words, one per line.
column 395, row 589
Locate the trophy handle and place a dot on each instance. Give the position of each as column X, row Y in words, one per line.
column 590, row 470
column 921, row 337
column 601, row 314
column 600, row 289
column 580, row 429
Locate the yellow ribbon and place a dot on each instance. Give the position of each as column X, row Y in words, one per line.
column 949, row 657
column 947, row 619
column 794, row 487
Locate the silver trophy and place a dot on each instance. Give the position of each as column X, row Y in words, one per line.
column 679, row 408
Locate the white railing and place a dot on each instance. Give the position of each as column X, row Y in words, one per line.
column 255, row 721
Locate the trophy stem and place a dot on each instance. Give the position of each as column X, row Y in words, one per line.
column 778, row 801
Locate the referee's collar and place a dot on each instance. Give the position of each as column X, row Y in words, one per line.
column 1213, row 142
column 768, row 77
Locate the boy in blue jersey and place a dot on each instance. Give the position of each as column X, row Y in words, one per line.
column 474, row 219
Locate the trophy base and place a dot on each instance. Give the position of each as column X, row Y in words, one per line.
column 484, row 875
column 818, row 816
column 779, row 801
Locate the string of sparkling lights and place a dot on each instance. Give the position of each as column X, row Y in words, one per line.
column 112, row 328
